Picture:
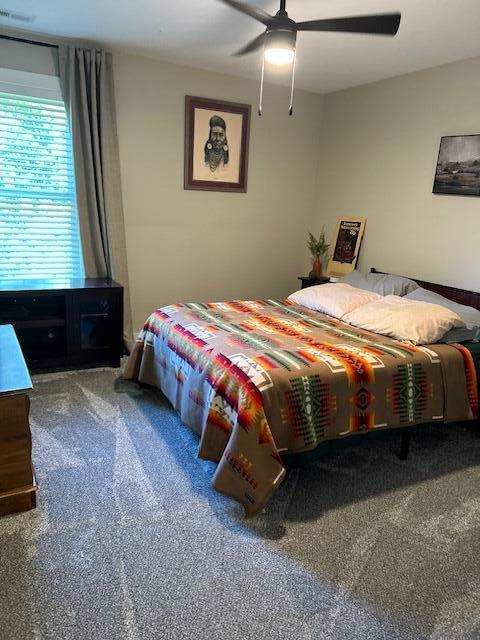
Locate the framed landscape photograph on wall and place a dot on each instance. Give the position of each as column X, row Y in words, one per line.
column 458, row 166
column 216, row 145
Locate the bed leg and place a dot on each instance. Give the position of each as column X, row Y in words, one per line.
column 404, row 446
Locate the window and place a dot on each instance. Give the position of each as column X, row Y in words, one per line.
column 39, row 235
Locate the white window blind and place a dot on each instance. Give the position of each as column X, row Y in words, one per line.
column 39, row 235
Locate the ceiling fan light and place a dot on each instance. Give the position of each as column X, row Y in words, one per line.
column 280, row 45
column 279, row 55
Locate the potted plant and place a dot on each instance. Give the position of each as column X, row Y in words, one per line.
column 318, row 248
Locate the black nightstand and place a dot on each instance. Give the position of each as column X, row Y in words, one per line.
column 307, row 282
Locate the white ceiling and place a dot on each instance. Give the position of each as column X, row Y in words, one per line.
column 204, row 33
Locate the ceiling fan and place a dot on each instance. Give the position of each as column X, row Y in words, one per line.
column 280, row 36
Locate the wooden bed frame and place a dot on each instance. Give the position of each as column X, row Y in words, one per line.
column 461, row 296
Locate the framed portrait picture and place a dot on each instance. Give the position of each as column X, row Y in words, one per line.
column 346, row 247
column 216, row 145
column 458, row 166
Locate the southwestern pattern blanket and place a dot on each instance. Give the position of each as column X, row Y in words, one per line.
column 256, row 379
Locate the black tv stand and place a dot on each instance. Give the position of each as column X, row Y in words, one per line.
column 66, row 325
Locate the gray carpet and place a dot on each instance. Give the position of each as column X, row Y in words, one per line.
column 130, row 541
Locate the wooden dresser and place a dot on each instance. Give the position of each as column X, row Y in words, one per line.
column 17, row 479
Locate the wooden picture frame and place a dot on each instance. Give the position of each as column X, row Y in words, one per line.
column 346, row 247
column 216, row 145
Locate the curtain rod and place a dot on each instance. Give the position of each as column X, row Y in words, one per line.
column 27, row 41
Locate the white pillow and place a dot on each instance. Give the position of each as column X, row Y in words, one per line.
column 469, row 315
column 404, row 319
column 333, row 298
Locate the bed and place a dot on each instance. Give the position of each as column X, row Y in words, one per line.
column 259, row 379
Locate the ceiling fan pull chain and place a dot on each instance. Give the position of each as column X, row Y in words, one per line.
column 290, row 109
column 261, row 87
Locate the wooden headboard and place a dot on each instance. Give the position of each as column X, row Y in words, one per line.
column 462, row 296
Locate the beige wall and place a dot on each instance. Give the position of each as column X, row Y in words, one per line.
column 378, row 155
column 200, row 246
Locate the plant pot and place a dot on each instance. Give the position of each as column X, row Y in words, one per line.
column 316, row 271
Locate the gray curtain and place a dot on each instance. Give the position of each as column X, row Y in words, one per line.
column 86, row 78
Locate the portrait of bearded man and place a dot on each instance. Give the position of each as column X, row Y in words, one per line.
column 216, row 147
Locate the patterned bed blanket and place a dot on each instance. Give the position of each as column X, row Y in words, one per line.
column 255, row 379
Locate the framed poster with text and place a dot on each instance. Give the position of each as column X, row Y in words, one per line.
column 346, row 246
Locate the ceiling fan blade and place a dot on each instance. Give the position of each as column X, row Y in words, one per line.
column 254, row 12
column 386, row 24
column 255, row 44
